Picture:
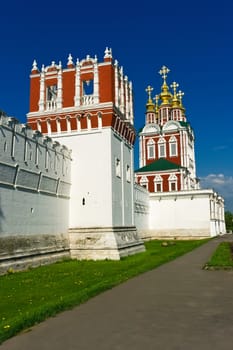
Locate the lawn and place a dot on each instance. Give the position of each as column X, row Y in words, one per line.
column 222, row 257
column 31, row 296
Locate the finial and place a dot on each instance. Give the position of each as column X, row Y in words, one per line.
column 174, row 86
column 70, row 60
column 149, row 90
column 163, row 72
column 180, row 95
column 53, row 63
column 156, row 98
column 34, row 65
column 150, row 107
column 175, row 101
column 77, row 62
column 108, row 53
column 60, row 65
column 165, row 94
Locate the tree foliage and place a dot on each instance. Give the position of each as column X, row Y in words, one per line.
column 229, row 220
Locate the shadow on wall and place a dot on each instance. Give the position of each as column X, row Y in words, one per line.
column 1, row 215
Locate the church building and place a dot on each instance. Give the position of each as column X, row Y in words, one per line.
column 178, row 206
column 166, row 157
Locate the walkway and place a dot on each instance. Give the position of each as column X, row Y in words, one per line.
column 177, row 306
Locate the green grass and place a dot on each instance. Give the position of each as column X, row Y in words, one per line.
column 222, row 257
column 31, row 296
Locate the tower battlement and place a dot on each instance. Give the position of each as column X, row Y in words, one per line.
column 31, row 161
column 85, row 95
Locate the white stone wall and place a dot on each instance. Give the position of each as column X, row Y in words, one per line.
column 99, row 198
column 29, row 213
column 141, row 209
column 122, row 183
column 34, row 181
column 34, row 194
column 186, row 214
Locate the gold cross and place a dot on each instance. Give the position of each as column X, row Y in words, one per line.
column 174, row 86
column 180, row 95
column 149, row 90
column 156, row 98
column 163, row 72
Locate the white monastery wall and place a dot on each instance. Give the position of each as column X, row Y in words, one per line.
column 122, row 185
column 34, row 195
column 29, row 213
column 186, row 214
column 141, row 209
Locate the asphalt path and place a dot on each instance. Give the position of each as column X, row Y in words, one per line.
column 178, row 306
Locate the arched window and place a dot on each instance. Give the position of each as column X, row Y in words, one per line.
column 173, row 146
column 144, row 182
column 118, row 167
column 151, row 149
column 158, row 184
column 172, row 182
column 162, row 147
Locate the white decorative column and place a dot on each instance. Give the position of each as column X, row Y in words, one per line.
column 96, row 82
column 49, row 130
column 42, row 89
column 77, row 85
column 59, row 87
column 131, row 102
column 99, row 121
column 38, row 123
column 68, row 124
column 88, row 122
column 78, row 124
column 116, row 84
column 58, row 125
column 122, row 90
column 140, row 152
column 126, row 85
column 143, row 151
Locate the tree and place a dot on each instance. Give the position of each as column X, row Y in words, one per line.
column 229, row 221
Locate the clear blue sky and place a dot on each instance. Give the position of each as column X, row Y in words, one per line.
column 193, row 38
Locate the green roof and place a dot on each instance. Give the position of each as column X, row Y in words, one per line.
column 159, row 165
column 184, row 123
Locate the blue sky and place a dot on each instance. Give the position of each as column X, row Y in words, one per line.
column 193, row 38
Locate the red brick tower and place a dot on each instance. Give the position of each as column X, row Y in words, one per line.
column 88, row 106
column 85, row 95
